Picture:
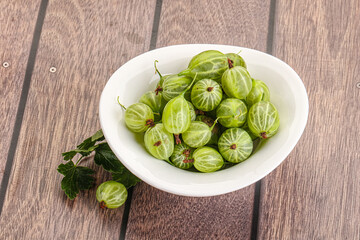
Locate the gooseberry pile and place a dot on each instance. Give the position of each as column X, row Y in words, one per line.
column 207, row 116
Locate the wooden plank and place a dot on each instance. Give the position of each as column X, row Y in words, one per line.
column 315, row 193
column 86, row 43
column 158, row 215
column 17, row 23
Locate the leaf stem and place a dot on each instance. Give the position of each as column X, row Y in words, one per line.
column 78, row 161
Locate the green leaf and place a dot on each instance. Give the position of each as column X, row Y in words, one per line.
column 89, row 142
column 69, row 155
column 76, row 178
column 125, row 177
column 84, row 152
column 86, row 147
column 98, row 136
column 107, row 159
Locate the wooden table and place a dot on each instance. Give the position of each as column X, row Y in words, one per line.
column 56, row 57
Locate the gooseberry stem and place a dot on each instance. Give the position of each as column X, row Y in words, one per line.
column 103, row 205
column 230, row 62
column 212, row 127
column 186, row 160
column 156, row 69
column 263, row 135
column 209, row 89
column 158, row 89
column 188, row 87
column 239, row 52
column 169, row 162
column 120, row 103
column 177, row 139
column 150, row 123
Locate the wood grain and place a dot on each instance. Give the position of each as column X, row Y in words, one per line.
column 158, row 215
column 86, row 43
column 315, row 193
column 17, row 23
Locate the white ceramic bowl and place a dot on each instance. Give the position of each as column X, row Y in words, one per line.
column 136, row 77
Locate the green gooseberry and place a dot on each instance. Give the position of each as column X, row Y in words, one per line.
column 236, row 60
column 182, row 156
column 155, row 101
column 207, row 159
column 236, row 82
column 235, row 145
column 263, row 119
column 192, row 111
column 203, row 56
column 159, row 142
column 208, row 64
column 259, row 92
column 139, row 117
column 111, row 194
column 206, row 94
column 198, row 134
column 176, row 115
column 174, row 85
column 214, row 132
column 231, row 112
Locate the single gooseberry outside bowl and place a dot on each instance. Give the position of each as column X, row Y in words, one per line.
column 130, row 81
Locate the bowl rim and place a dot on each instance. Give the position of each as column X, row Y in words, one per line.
column 170, row 188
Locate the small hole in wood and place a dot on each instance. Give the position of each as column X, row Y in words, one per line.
column 6, row 64
column 53, row 69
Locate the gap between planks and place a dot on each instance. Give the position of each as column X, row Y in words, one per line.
column 154, row 34
column 23, row 99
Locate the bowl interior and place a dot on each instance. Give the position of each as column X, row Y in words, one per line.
column 137, row 76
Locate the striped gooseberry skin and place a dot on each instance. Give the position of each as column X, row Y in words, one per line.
column 192, row 111
column 259, row 92
column 203, row 56
column 155, row 101
column 162, row 79
column 207, row 159
column 111, row 194
column 263, row 119
column 176, row 115
column 209, row 64
column 236, row 59
column 236, row 82
column 235, row 145
column 159, row 142
column 206, row 94
column 173, row 85
column 138, row 117
column 197, row 135
column 232, row 113
column 182, row 156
